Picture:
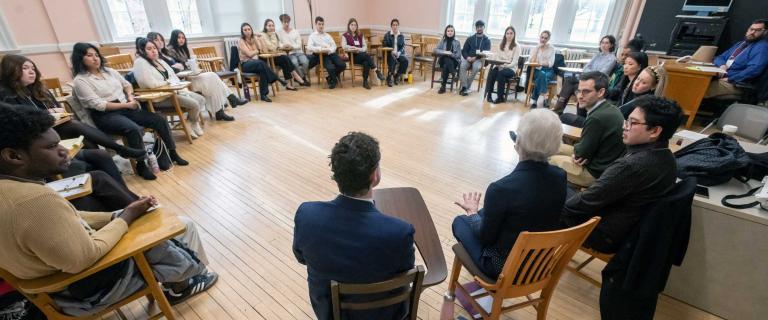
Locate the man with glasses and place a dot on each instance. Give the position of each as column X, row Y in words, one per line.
column 600, row 142
column 644, row 175
column 471, row 57
column 741, row 64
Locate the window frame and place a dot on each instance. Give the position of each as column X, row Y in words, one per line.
column 160, row 20
column 7, row 43
column 561, row 31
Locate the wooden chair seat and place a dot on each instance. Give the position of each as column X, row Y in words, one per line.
column 209, row 60
column 461, row 253
column 145, row 233
column 593, row 254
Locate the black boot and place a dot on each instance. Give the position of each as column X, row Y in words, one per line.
column 220, row 115
column 500, row 99
column 234, row 101
column 265, row 98
column 379, row 75
column 176, row 158
column 397, row 79
column 389, row 80
column 143, row 171
column 366, row 85
column 131, row 153
column 489, row 96
column 442, row 89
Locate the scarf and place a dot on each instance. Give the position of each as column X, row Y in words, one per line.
column 449, row 43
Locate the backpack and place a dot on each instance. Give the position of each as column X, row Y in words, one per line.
column 756, row 169
column 713, row 160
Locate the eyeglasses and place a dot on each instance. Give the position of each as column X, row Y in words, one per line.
column 629, row 124
column 584, row 91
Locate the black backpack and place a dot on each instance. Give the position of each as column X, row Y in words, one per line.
column 713, row 160
column 756, row 169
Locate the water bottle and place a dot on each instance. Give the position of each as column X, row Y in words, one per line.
column 152, row 159
column 246, row 92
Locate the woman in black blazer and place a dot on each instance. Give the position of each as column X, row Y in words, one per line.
column 528, row 199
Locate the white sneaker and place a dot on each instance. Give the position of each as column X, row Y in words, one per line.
column 197, row 129
column 540, row 101
column 192, row 135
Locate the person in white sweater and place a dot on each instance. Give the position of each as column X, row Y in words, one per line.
column 320, row 41
column 151, row 72
column 544, row 55
column 291, row 39
column 509, row 51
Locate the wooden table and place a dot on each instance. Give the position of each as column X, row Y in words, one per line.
column 72, row 192
column 407, row 204
column 571, row 133
column 687, row 87
column 73, row 145
column 531, row 67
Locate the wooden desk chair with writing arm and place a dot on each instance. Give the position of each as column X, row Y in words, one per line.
column 425, row 56
column 407, row 204
column 122, row 63
column 410, row 281
column 534, row 264
column 109, row 50
column 145, row 233
column 210, row 61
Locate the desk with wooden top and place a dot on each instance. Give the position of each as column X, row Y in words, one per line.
column 530, row 66
column 686, row 86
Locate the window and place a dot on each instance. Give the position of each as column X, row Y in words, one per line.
column 589, row 20
column 184, row 16
column 579, row 22
column 464, row 15
column 499, row 17
column 129, row 17
column 541, row 16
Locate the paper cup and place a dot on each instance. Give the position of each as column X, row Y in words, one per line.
column 730, row 129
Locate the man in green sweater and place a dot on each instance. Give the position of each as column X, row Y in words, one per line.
column 600, row 142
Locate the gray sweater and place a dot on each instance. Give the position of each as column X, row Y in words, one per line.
column 603, row 62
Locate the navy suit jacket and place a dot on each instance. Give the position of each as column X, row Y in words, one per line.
column 528, row 199
column 350, row 241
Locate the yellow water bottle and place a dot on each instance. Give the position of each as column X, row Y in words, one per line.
column 410, row 78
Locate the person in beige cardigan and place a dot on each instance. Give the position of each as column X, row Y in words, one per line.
column 509, row 51
column 42, row 234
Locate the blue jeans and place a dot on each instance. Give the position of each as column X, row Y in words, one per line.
column 541, row 80
column 465, row 229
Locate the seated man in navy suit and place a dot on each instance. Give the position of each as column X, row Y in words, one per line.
column 348, row 239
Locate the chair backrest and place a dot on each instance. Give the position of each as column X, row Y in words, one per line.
column 81, row 113
column 705, row 54
column 336, row 35
column 208, row 53
column 54, row 85
column 525, row 50
column 109, row 50
column 119, row 61
column 409, row 281
column 537, row 259
column 205, row 52
column 559, row 62
column 752, row 120
column 573, row 54
column 428, row 44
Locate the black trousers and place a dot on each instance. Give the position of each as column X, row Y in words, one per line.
column 364, row 59
column 570, row 84
column 401, row 63
column 265, row 73
column 73, row 129
column 131, row 123
column 449, row 65
column 332, row 62
column 499, row 78
column 618, row 304
column 285, row 64
column 94, row 159
column 108, row 194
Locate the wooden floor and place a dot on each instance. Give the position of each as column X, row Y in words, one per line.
column 247, row 178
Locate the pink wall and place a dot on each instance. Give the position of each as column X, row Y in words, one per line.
column 28, row 21
column 418, row 14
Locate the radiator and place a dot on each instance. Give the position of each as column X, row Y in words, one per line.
column 228, row 43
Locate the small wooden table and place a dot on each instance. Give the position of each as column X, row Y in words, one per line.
column 73, row 146
column 68, row 190
column 687, row 86
column 571, row 133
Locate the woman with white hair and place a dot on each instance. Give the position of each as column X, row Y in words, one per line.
column 528, row 199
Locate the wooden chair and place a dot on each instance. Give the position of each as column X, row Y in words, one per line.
column 454, row 77
column 593, row 254
column 122, row 63
column 535, row 264
column 425, row 56
column 410, row 282
column 54, row 85
column 109, row 50
column 210, row 61
column 407, row 204
column 515, row 80
column 144, row 234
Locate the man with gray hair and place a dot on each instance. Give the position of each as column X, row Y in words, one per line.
column 528, row 199
column 600, row 142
